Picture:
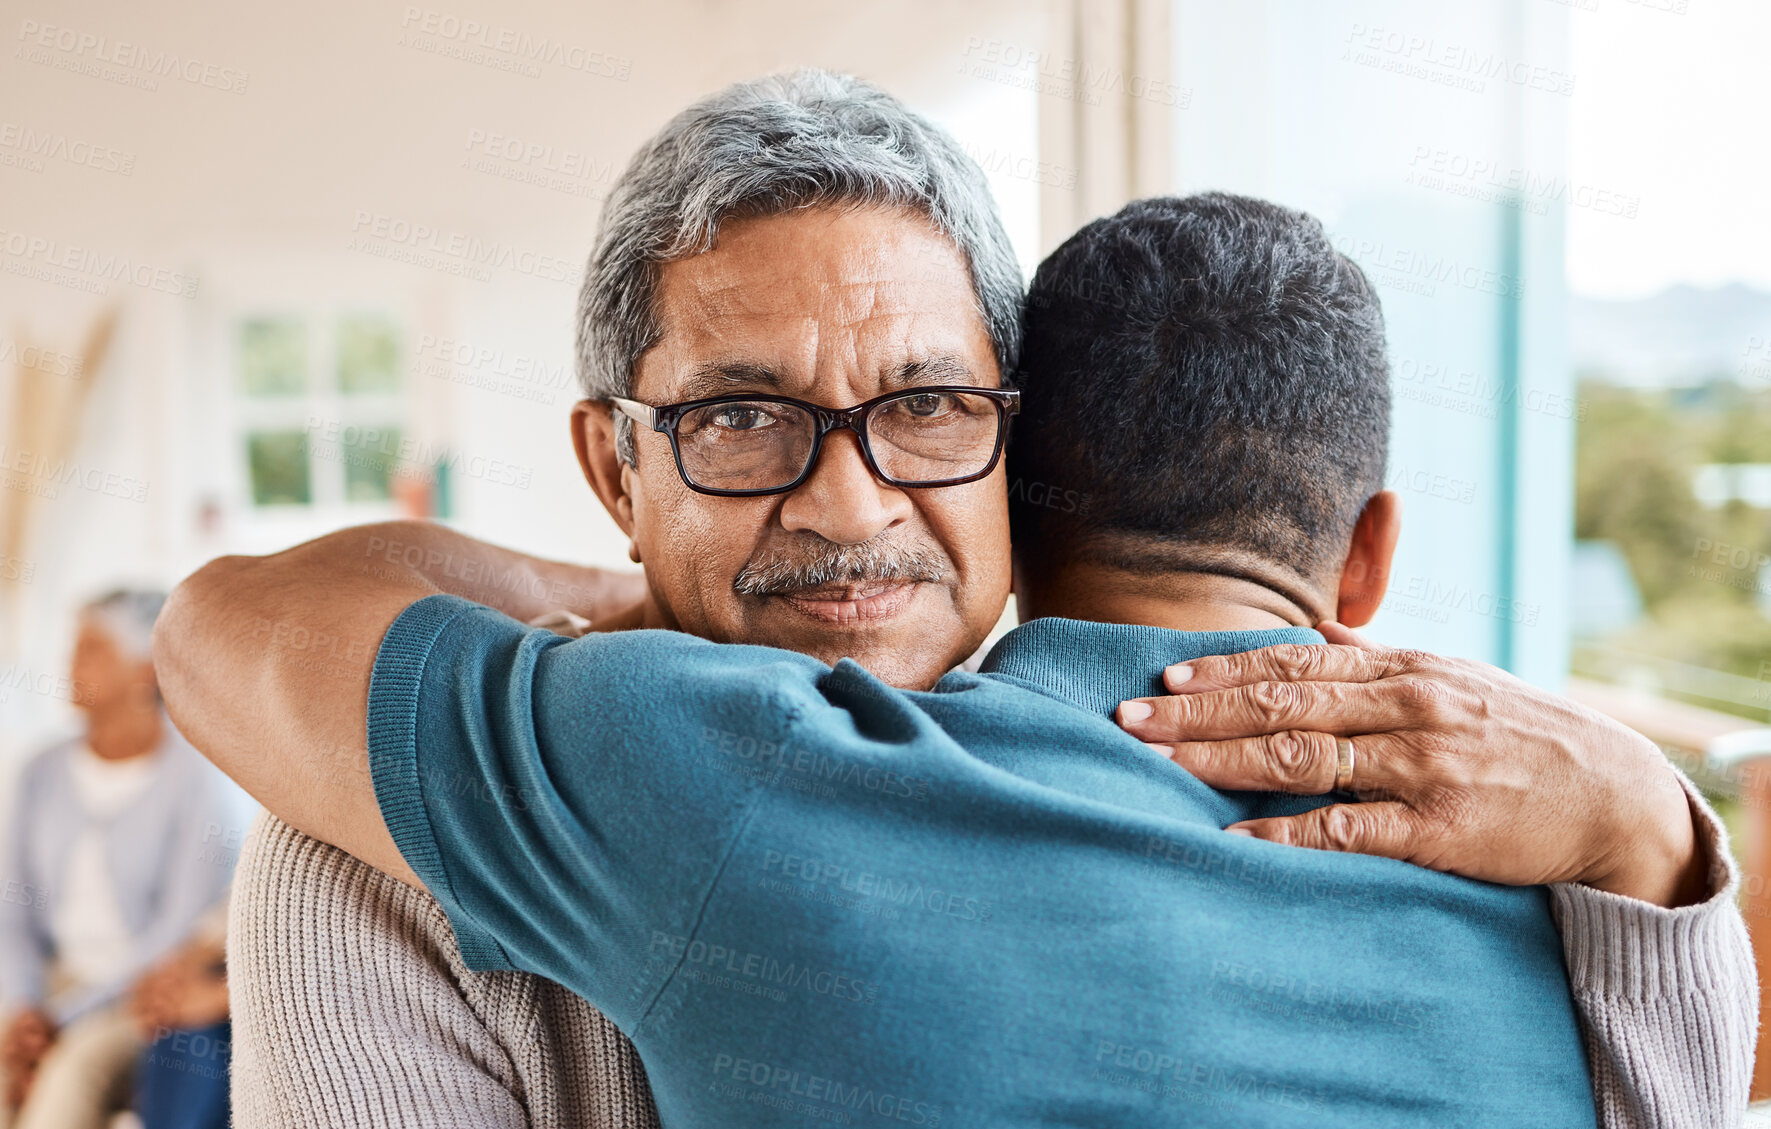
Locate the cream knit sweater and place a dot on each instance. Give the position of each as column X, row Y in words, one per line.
column 351, row 1007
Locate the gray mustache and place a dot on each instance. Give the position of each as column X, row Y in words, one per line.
column 770, row 574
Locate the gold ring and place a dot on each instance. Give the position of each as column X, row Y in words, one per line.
column 1343, row 764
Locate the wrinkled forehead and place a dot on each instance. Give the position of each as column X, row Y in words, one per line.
column 826, row 305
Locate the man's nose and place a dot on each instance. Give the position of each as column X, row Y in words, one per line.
column 842, row 501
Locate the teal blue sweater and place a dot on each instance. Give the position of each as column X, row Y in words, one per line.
column 809, row 897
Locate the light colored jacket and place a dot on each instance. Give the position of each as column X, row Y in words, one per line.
column 170, row 852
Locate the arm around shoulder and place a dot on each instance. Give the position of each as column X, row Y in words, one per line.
column 264, row 664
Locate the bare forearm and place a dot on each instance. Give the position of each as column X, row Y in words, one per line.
column 265, row 662
column 442, row 560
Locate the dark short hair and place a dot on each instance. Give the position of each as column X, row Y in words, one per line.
column 1203, row 373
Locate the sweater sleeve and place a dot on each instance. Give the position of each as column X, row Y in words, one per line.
column 352, row 1006
column 1668, row 998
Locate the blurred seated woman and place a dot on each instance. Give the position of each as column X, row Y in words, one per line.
column 117, row 842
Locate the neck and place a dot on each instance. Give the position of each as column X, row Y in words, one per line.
column 123, row 732
column 1225, row 599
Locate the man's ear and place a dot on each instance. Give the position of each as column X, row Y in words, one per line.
column 593, row 437
column 1366, row 574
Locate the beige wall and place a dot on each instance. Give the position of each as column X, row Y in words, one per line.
column 254, row 197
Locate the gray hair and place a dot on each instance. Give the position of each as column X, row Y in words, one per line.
column 765, row 147
column 127, row 615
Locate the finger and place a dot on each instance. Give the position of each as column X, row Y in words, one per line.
column 1286, row 662
column 1340, row 708
column 1386, row 828
column 1292, row 760
column 1300, row 762
column 1345, row 636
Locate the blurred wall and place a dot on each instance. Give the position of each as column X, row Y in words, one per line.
column 190, row 164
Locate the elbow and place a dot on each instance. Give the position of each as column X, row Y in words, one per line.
column 196, row 606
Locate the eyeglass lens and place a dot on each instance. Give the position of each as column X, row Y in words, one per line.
column 919, row 438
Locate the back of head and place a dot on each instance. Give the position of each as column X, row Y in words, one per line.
column 1202, row 378
column 764, row 147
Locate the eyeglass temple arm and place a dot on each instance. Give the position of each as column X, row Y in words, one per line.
column 636, row 411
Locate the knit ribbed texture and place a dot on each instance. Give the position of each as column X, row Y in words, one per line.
column 1668, row 999
column 352, row 1007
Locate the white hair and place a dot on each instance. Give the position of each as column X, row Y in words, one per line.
column 761, row 148
column 127, row 615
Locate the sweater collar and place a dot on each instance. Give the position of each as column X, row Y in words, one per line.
column 1098, row 665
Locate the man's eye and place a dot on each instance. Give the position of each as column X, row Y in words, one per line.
column 743, row 417
column 930, row 404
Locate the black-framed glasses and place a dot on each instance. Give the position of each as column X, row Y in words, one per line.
column 740, row 446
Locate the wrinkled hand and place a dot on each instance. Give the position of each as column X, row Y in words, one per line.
column 1461, row 766
column 26, row 1038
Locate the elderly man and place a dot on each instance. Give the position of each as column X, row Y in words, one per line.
column 764, row 506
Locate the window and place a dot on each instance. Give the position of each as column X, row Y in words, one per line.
column 321, row 406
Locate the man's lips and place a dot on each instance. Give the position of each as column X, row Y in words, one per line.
column 851, row 603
